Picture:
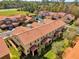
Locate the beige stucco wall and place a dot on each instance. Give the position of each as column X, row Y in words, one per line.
column 38, row 41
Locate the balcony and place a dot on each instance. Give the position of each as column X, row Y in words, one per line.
column 47, row 41
column 33, row 50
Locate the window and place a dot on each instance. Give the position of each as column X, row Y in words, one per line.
column 35, row 41
column 30, row 44
column 27, row 51
column 41, row 42
column 50, row 41
column 38, row 44
column 41, row 37
column 68, row 18
column 38, row 39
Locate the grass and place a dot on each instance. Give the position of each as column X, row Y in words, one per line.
column 14, row 53
column 11, row 12
column 50, row 55
column 7, row 9
column 60, row 45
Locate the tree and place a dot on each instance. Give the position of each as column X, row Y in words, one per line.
column 74, row 10
column 45, row 1
column 58, row 47
column 70, row 33
column 77, row 22
column 76, row 2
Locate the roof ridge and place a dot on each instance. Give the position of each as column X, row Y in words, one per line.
column 36, row 27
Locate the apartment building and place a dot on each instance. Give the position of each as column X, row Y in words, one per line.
column 68, row 18
column 13, row 21
column 32, row 39
column 4, row 51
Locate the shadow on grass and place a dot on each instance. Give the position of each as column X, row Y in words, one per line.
column 44, row 51
column 44, row 58
column 58, row 39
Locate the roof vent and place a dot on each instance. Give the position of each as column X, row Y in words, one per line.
column 29, row 25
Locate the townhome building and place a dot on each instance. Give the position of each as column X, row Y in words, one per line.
column 4, row 51
column 72, row 53
column 35, row 38
column 68, row 18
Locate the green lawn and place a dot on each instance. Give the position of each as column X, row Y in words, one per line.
column 14, row 54
column 11, row 12
column 50, row 55
column 7, row 9
column 56, row 47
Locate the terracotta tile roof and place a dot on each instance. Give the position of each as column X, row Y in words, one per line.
column 52, row 13
column 61, row 14
column 70, row 16
column 74, row 53
column 35, row 24
column 19, row 30
column 35, row 33
column 76, row 39
column 48, row 20
column 17, row 16
column 11, row 17
column 77, row 18
column 28, row 18
column 3, row 48
column 2, row 17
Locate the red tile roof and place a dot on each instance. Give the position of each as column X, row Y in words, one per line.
column 53, row 13
column 61, row 13
column 39, row 31
column 28, row 17
column 70, row 16
column 3, row 48
column 2, row 17
column 74, row 52
column 19, row 30
column 36, row 24
column 11, row 17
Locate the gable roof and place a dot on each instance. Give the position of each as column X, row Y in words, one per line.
column 3, row 48
column 19, row 30
column 2, row 17
column 74, row 52
column 37, row 32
